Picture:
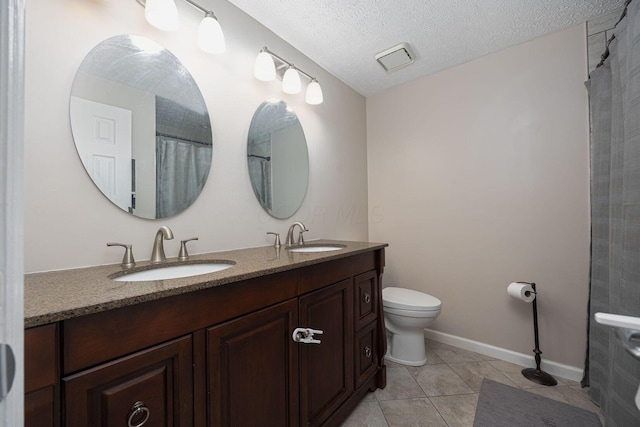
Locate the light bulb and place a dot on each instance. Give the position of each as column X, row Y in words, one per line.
column 210, row 36
column 162, row 14
column 314, row 93
column 264, row 68
column 291, row 81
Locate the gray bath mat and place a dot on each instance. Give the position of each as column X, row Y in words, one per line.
column 502, row 406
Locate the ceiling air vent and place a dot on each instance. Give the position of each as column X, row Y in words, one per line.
column 396, row 57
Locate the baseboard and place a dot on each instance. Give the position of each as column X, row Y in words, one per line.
column 554, row 368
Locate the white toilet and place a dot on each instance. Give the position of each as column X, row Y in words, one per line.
column 406, row 314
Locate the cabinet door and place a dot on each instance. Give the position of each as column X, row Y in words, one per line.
column 252, row 368
column 155, row 384
column 41, row 403
column 326, row 369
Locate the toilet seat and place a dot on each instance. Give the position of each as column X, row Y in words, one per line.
column 407, row 299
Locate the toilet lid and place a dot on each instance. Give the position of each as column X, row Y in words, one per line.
column 409, row 300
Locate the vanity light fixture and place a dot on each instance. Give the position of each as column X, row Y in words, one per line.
column 291, row 81
column 264, row 68
column 163, row 15
column 268, row 66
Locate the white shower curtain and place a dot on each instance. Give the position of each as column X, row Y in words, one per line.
column 182, row 168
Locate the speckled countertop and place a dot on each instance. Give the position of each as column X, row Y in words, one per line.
column 59, row 295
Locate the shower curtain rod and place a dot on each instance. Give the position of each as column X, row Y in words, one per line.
column 605, row 54
column 181, row 139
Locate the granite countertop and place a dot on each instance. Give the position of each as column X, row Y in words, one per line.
column 59, row 295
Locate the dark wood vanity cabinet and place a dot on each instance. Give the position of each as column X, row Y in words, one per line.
column 153, row 387
column 252, row 369
column 225, row 356
column 326, row 368
column 41, row 400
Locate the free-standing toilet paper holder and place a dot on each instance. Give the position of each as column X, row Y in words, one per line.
column 537, row 375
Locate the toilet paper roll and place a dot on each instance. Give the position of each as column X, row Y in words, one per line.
column 522, row 291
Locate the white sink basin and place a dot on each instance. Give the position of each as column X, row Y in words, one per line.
column 316, row 248
column 166, row 272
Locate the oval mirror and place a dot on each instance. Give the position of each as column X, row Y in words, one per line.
column 278, row 159
column 141, row 127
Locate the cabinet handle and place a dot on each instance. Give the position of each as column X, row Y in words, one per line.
column 138, row 410
column 366, row 298
column 305, row 335
column 367, row 351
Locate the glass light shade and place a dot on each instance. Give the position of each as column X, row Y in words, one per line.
column 162, row 14
column 210, row 36
column 291, row 81
column 264, row 68
column 314, row 93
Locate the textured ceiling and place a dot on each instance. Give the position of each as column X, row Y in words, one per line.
column 343, row 36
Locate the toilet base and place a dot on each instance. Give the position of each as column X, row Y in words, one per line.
column 406, row 349
column 405, row 362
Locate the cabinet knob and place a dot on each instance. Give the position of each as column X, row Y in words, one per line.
column 367, row 351
column 366, row 298
column 138, row 412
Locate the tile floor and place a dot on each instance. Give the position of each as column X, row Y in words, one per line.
column 444, row 392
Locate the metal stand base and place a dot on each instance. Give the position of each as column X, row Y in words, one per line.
column 539, row 377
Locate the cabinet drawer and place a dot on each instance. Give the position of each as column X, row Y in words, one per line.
column 97, row 338
column 156, row 383
column 366, row 301
column 40, row 360
column 366, row 355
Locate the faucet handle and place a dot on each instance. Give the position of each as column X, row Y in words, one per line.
column 127, row 260
column 300, row 237
column 183, row 255
column 276, row 244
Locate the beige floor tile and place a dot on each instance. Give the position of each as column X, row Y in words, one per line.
column 472, row 373
column 450, row 354
column 440, row 380
column 457, row 411
column 451, row 379
column 369, row 397
column 432, row 357
column 400, row 385
column 514, row 373
column 566, row 381
column 390, row 364
column 366, row 414
column 411, row 413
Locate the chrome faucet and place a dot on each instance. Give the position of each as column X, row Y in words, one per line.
column 157, row 254
column 289, row 241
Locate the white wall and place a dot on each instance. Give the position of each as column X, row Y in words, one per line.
column 68, row 221
column 479, row 176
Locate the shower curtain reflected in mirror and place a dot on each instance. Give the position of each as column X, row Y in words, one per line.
column 182, row 168
column 614, row 93
column 260, row 169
